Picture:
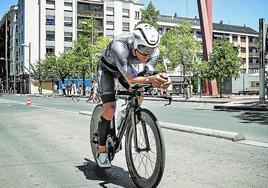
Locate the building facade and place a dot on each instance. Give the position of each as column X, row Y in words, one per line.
column 51, row 26
column 8, row 49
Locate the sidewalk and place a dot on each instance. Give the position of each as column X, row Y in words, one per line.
column 230, row 102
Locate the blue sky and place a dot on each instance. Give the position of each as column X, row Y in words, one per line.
column 5, row 6
column 235, row 12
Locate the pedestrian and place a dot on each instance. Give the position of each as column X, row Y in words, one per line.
column 39, row 89
column 1, row 87
column 55, row 89
column 63, row 89
column 90, row 98
column 68, row 89
column 73, row 92
column 117, row 63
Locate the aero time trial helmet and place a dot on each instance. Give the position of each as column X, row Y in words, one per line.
column 146, row 38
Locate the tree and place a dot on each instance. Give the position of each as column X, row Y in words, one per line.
column 180, row 48
column 86, row 50
column 38, row 73
column 150, row 15
column 224, row 63
column 64, row 65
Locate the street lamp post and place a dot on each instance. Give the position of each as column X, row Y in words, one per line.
column 29, row 46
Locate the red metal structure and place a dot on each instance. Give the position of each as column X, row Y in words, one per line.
column 205, row 15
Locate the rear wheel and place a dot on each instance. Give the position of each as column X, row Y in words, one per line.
column 95, row 118
column 145, row 165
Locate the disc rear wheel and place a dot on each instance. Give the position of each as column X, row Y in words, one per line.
column 95, row 118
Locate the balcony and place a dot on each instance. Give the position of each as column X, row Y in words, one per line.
column 91, row 1
column 253, row 44
column 254, row 66
column 253, row 54
column 89, row 13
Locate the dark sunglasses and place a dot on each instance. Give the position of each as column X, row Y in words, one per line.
column 144, row 50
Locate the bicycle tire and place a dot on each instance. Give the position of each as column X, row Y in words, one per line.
column 154, row 179
column 95, row 117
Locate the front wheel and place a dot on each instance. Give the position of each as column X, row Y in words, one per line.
column 145, row 164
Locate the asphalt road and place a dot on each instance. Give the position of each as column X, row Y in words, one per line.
column 47, row 145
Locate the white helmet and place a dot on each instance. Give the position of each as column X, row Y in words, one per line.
column 146, row 38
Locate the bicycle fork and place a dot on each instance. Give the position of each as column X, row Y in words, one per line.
column 136, row 116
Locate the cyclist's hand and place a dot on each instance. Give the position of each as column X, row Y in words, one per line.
column 168, row 81
column 158, row 80
column 166, row 84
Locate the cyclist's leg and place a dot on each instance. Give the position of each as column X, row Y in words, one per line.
column 106, row 86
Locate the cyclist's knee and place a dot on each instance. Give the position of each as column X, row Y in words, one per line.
column 109, row 110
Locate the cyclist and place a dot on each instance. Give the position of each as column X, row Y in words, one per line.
column 117, row 62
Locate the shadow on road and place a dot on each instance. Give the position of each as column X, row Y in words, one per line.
column 260, row 117
column 254, row 116
column 114, row 175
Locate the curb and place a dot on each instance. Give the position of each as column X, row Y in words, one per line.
column 251, row 108
column 197, row 130
column 204, row 131
column 85, row 113
column 186, row 100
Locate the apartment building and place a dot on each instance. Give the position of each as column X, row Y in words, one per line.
column 50, row 27
column 121, row 16
column 8, row 49
column 243, row 37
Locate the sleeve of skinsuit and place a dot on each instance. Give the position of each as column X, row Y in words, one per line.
column 152, row 62
column 120, row 52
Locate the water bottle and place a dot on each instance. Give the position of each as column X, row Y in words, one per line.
column 120, row 116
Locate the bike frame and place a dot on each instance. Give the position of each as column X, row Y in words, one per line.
column 133, row 114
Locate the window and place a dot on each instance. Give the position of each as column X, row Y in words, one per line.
column 253, row 50
column 198, row 34
column 160, row 30
column 125, row 13
column 235, row 38
column 68, row 21
column 50, row 20
column 68, row 6
column 243, row 39
column 50, row 4
column 125, row 26
column 137, row 15
column 50, row 50
column 110, row 11
column 85, row 8
column 110, row 25
column 253, row 60
column 68, row 36
column 50, row 35
column 243, row 50
column 252, row 39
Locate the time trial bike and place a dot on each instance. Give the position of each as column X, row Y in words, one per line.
column 144, row 142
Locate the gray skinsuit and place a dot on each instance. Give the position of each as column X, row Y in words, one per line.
column 117, row 62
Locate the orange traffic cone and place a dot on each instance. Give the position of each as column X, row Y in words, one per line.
column 29, row 101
